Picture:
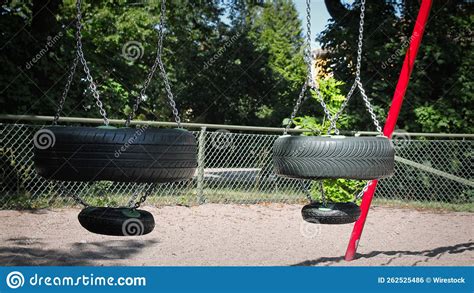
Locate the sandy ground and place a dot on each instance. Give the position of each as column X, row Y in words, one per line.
column 213, row 234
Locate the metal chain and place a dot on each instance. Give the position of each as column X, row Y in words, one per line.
column 307, row 60
column 306, row 189
column 309, row 80
column 93, row 88
column 321, row 101
column 164, row 75
column 313, row 83
column 74, row 196
column 369, row 107
column 131, row 205
column 143, row 198
column 357, row 82
column 361, row 193
column 92, row 85
column 307, row 51
column 358, row 67
column 72, row 71
column 299, row 101
column 323, row 195
column 131, row 201
column 334, row 119
column 139, row 98
column 360, row 39
column 157, row 63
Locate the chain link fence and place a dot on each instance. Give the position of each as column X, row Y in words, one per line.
column 237, row 168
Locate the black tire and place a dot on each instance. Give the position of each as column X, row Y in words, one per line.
column 319, row 157
column 116, row 221
column 116, row 154
column 333, row 213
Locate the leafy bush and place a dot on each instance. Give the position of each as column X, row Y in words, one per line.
column 336, row 190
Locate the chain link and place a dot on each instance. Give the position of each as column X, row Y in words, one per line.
column 72, row 71
column 321, row 101
column 323, row 194
column 369, row 107
column 136, row 192
column 307, row 51
column 364, row 190
column 131, row 203
column 157, row 63
column 92, row 85
column 409, row 184
column 334, row 119
column 164, row 75
column 360, row 38
column 357, row 82
column 143, row 198
column 306, row 189
column 74, row 196
column 299, row 101
column 312, row 83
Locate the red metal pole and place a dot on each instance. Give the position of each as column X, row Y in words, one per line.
column 392, row 117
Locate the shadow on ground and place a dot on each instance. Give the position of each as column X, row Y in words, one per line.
column 29, row 252
column 428, row 253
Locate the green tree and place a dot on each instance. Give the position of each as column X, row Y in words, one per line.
column 276, row 30
column 237, row 63
column 439, row 96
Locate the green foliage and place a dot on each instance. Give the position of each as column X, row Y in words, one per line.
column 330, row 89
column 274, row 30
column 337, row 190
column 242, row 72
column 440, row 93
column 257, row 66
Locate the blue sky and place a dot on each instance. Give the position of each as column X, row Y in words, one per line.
column 319, row 17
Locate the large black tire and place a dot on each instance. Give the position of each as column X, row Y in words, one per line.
column 319, row 157
column 333, row 213
column 116, row 221
column 116, row 154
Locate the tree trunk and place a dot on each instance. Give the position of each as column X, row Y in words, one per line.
column 338, row 11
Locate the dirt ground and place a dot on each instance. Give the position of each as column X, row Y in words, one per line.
column 253, row 235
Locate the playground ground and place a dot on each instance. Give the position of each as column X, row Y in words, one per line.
column 228, row 235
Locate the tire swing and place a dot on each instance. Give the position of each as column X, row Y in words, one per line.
column 333, row 156
column 140, row 155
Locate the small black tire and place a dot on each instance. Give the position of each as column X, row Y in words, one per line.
column 332, row 213
column 141, row 155
column 319, row 157
column 116, row 221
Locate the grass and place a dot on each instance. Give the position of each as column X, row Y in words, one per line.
column 424, row 205
column 189, row 198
